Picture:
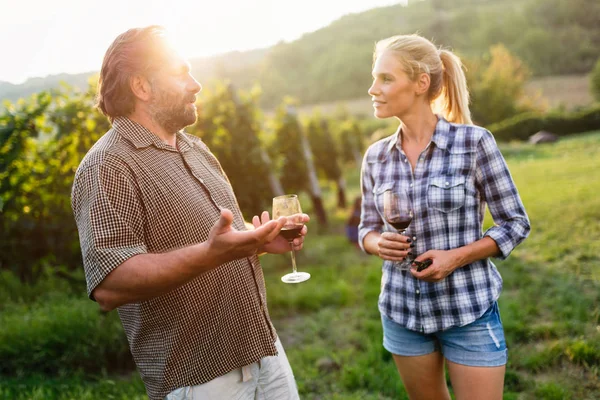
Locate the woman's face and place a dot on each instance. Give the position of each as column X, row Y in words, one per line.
column 392, row 92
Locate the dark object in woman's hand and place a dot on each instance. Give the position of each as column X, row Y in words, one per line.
column 421, row 265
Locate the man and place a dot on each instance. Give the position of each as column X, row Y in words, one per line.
column 163, row 239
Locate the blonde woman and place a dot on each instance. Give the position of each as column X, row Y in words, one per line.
column 451, row 169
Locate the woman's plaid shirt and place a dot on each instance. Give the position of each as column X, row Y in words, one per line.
column 458, row 173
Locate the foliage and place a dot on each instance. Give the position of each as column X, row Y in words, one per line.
column 230, row 126
column 60, row 336
column 560, row 123
column 41, row 387
column 497, row 87
column 324, row 147
column 551, row 37
column 43, row 140
column 595, row 81
column 330, row 325
column 286, row 148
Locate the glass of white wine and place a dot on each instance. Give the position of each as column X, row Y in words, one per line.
column 288, row 206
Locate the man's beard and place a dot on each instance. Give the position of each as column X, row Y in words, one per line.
column 172, row 112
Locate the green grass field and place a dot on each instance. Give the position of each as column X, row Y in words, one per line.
column 330, row 324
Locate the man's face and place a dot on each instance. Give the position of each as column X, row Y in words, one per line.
column 174, row 91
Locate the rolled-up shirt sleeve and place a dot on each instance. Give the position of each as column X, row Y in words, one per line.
column 370, row 220
column 108, row 213
column 511, row 223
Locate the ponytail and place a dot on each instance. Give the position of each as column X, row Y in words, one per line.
column 453, row 100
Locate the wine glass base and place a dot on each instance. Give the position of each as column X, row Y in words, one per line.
column 295, row 277
column 403, row 265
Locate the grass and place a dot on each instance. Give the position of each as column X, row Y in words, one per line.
column 330, row 324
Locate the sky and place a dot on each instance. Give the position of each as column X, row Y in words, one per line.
column 44, row 37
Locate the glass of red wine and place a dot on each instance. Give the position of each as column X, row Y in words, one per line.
column 398, row 212
column 288, row 206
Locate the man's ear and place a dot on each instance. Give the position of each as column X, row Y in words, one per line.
column 140, row 87
column 423, row 82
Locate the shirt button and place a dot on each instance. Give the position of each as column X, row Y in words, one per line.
column 411, row 185
column 414, row 238
column 406, row 160
column 447, row 183
column 417, row 291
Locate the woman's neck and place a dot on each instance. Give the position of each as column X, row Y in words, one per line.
column 418, row 128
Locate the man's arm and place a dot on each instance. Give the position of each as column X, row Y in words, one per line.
column 145, row 276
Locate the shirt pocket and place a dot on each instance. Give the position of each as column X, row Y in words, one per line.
column 446, row 193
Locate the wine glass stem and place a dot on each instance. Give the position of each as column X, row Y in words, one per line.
column 293, row 257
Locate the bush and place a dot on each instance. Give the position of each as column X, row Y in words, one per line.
column 52, row 279
column 61, row 336
column 498, row 86
column 522, row 126
column 595, row 81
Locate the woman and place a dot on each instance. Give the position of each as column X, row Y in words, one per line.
column 450, row 169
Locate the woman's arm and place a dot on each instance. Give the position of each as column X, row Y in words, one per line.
column 511, row 223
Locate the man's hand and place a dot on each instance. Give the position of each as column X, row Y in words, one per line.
column 279, row 244
column 225, row 243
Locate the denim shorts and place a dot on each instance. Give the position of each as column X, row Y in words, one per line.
column 478, row 344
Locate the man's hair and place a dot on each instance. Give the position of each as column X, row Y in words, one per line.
column 137, row 51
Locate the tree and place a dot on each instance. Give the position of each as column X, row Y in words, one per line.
column 295, row 160
column 326, row 154
column 595, row 81
column 498, row 87
column 43, row 141
column 229, row 125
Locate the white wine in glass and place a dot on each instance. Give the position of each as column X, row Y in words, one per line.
column 288, row 206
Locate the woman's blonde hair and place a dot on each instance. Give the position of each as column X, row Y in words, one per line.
column 448, row 93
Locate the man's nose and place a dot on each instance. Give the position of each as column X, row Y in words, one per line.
column 194, row 86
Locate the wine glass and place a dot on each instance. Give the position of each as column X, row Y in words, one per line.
column 398, row 212
column 289, row 206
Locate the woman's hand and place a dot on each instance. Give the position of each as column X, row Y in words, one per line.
column 394, row 246
column 444, row 262
column 279, row 244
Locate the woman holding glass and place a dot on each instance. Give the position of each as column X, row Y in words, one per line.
column 439, row 288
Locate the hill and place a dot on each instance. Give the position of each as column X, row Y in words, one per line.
column 553, row 37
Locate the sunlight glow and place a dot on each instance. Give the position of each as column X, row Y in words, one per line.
column 71, row 36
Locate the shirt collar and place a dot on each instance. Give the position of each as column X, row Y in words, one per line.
column 439, row 138
column 142, row 137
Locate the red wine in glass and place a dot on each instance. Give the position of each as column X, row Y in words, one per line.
column 400, row 223
column 397, row 211
column 289, row 233
column 289, row 206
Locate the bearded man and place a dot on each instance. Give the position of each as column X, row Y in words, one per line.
column 164, row 241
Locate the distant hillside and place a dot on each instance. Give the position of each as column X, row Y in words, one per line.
column 553, row 37
column 11, row 92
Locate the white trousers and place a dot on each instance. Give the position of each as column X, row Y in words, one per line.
column 270, row 379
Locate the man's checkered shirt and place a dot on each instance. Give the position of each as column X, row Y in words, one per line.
column 134, row 194
column 458, row 173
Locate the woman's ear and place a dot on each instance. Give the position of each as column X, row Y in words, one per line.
column 423, row 82
column 140, row 87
